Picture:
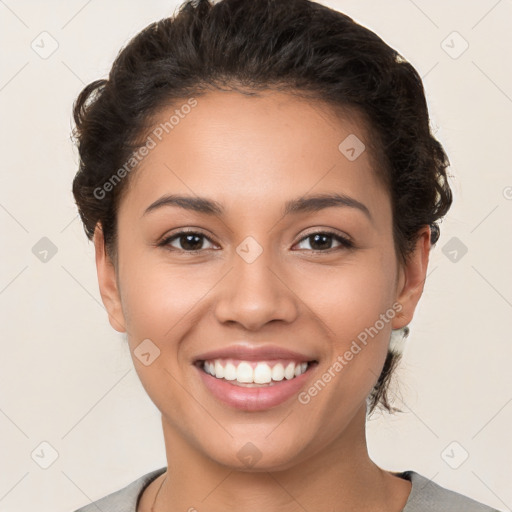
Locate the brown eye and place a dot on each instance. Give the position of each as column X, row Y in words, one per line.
column 322, row 241
column 189, row 241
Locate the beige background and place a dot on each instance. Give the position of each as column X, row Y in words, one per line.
column 66, row 377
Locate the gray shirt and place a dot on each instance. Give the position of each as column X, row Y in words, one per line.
column 425, row 496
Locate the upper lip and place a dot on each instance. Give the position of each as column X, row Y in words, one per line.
column 253, row 353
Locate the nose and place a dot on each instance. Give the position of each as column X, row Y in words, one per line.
column 255, row 293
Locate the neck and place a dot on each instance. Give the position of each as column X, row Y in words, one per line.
column 338, row 476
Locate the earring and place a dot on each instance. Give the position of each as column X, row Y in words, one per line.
column 397, row 339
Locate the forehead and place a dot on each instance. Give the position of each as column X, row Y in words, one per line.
column 246, row 148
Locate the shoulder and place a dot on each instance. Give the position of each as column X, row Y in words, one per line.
column 427, row 496
column 125, row 499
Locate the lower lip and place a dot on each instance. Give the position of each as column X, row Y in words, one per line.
column 255, row 398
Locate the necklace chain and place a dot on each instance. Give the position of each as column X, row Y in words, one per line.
column 158, row 492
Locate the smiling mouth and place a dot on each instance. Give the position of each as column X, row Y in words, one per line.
column 254, row 373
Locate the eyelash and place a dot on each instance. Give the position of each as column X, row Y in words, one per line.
column 345, row 242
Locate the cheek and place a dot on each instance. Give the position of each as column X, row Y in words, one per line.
column 354, row 303
column 162, row 303
column 349, row 297
column 159, row 300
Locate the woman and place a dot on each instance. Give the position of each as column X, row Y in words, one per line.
column 262, row 188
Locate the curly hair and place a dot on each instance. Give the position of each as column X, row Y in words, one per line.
column 297, row 46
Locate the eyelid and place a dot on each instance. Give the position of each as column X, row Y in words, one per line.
column 327, row 231
column 179, row 231
column 344, row 240
column 166, row 239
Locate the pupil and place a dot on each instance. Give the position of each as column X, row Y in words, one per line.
column 326, row 239
column 189, row 244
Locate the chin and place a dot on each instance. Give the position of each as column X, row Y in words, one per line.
column 256, row 456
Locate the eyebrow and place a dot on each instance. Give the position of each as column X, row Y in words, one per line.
column 305, row 204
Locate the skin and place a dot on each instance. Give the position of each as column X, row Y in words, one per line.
column 251, row 154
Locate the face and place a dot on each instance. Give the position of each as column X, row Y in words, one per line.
column 263, row 265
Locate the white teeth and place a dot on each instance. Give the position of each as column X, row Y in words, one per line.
column 229, row 372
column 244, row 373
column 289, row 371
column 278, row 372
column 261, row 374
column 219, row 370
column 300, row 369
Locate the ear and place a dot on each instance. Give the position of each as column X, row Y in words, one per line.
column 107, row 282
column 412, row 279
